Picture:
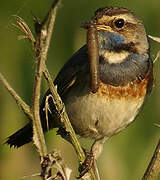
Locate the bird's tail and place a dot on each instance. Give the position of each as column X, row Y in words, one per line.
column 21, row 137
column 25, row 134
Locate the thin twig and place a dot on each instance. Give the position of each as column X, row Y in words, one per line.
column 25, row 108
column 154, row 166
column 59, row 103
column 38, row 136
column 22, row 25
column 65, row 120
column 157, row 39
column 157, row 57
column 43, row 42
column 64, row 117
column 31, row 176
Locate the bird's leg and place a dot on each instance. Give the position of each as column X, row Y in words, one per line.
column 97, row 147
column 91, row 157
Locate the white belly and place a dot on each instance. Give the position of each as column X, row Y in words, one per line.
column 98, row 116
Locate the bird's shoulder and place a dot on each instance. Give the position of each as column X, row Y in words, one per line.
column 67, row 75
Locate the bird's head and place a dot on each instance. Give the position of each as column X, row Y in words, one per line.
column 120, row 33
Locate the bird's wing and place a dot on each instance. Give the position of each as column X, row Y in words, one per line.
column 64, row 80
column 67, row 76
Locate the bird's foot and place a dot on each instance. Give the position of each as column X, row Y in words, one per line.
column 86, row 165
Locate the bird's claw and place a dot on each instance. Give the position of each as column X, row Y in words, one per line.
column 86, row 165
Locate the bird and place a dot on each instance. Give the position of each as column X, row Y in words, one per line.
column 125, row 81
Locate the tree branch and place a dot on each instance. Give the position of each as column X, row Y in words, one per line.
column 25, row 108
column 153, row 168
column 64, row 117
column 42, row 46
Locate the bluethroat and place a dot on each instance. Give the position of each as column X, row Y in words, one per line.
column 125, row 80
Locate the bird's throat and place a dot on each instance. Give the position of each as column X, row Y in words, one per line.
column 132, row 67
column 115, row 57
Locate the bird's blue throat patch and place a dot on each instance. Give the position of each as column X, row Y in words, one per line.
column 110, row 40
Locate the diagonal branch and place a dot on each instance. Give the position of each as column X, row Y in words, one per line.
column 154, row 166
column 64, row 117
column 25, row 108
column 65, row 120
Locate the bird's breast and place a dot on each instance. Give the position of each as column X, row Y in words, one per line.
column 107, row 111
column 130, row 91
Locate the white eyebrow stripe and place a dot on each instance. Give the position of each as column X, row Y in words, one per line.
column 127, row 17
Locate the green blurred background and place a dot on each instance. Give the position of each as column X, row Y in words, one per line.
column 126, row 155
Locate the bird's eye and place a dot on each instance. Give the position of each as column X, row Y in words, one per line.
column 119, row 23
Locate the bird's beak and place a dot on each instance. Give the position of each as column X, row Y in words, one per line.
column 101, row 27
